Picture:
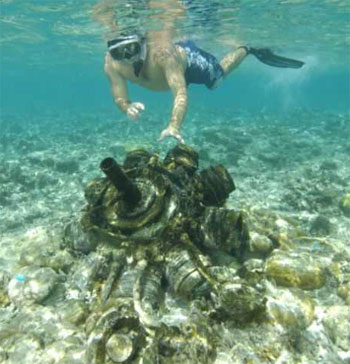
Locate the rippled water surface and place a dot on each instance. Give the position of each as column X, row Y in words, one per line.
column 57, row 32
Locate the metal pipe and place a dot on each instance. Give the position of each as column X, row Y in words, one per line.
column 131, row 194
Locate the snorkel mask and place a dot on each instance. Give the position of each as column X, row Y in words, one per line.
column 130, row 49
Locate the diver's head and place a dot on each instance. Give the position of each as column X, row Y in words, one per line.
column 128, row 48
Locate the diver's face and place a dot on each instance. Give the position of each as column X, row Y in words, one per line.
column 128, row 52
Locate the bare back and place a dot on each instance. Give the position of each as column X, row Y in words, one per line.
column 152, row 75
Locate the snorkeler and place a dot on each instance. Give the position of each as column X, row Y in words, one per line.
column 153, row 61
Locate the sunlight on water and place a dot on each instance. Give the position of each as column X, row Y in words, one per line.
column 312, row 28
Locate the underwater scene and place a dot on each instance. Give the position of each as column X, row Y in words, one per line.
column 175, row 182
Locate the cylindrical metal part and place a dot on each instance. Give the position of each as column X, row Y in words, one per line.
column 131, row 194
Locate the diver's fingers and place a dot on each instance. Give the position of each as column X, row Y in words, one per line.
column 134, row 110
column 133, row 114
column 171, row 133
column 180, row 139
column 163, row 135
column 139, row 105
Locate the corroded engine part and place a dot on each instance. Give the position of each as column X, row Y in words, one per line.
column 182, row 157
column 225, row 230
column 109, row 219
column 163, row 220
column 130, row 193
column 148, row 194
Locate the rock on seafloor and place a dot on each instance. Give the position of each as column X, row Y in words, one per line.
column 344, row 292
column 292, row 308
column 296, row 270
column 32, row 284
column 337, row 323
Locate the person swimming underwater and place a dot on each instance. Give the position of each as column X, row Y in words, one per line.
column 162, row 66
column 154, row 61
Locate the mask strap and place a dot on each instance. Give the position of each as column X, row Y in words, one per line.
column 137, row 67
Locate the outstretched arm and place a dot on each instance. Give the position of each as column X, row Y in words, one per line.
column 120, row 90
column 174, row 73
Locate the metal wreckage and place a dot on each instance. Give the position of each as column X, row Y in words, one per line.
column 166, row 237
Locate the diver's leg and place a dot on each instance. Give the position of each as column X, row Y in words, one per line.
column 233, row 59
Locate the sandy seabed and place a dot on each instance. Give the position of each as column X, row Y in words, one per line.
column 296, row 166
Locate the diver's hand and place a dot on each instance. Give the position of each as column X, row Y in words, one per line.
column 170, row 132
column 134, row 110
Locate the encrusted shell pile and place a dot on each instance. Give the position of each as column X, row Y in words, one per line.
column 172, row 246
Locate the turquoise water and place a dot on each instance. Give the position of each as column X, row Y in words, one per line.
column 284, row 137
column 52, row 55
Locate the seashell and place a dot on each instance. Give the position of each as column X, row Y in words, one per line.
column 113, row 322
column 148, row 295
column 183, row 275
column 182, row 156
column 223, row 274
column 192, row 342
column 225, row 230
column 238, row 301
column 120, row 348
column 126, row 282
column 260, row 244
column 148, row 209
column 111, row 218
column 217, row 185
column 141, row 284
column 137, row 158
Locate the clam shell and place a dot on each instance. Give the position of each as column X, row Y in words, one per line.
column 148, row 296
column 119, row 348
column 183, row 276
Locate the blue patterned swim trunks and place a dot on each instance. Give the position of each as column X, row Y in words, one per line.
column 202, row 67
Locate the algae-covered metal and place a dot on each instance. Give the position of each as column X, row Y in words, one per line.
column 159, row 223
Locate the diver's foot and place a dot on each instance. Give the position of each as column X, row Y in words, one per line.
column 265, row 55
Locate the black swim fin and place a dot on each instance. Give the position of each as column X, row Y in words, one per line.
column 266, row 56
